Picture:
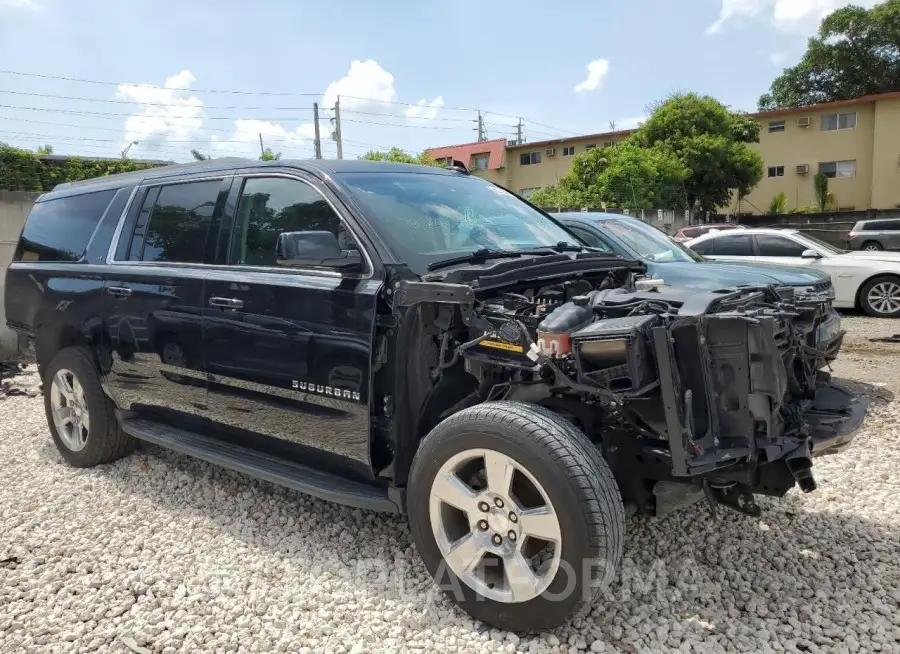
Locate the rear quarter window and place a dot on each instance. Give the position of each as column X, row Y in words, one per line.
column 60, row 229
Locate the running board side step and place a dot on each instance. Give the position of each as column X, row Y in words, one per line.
column 263, row 466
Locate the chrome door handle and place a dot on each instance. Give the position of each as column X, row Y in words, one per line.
column 118, row 291
column 226, row 302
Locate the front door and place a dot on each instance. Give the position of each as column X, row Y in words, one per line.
column 155, row 293
column 288, row 350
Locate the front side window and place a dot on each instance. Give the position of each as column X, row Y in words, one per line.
column 591, row 238
column 271, row 205
column 174, row 223
column 770, row 245
column 735, row 245
column 838, row 168
column 59, row 230
column 430, row 217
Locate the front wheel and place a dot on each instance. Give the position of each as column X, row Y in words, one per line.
column 880, row 297
column 516, row 515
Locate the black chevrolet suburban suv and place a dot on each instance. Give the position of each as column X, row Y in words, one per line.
column 421, row 341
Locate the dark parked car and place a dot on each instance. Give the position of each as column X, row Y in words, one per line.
column 420, row 341
column 874, row 235
column 679, row 266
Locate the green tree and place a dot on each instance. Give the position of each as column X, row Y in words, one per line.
column 820, row 187
column 44, row 150
column 555, row 197
column 396, row 155
column 199, row 156
column 778, row 205
column 711, row 141
column 855, row 52
column 268, row 155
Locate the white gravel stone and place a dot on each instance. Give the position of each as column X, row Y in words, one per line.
column 162, row 553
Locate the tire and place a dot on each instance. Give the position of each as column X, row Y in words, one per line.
column 886, row 287
column 103, row 440
column 871, row 246
column 574, row 485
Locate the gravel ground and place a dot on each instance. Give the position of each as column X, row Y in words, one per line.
column 162, row 553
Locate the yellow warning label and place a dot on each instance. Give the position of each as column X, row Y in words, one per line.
column 509, row 347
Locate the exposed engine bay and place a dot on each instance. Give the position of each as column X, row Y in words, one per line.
column 723, row 391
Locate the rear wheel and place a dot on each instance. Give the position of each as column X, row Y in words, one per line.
column 80, row 415
column 516, row 515
column 872, row 246
column 880, row 296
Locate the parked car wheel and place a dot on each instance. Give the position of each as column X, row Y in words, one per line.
column 80, row 415
column 516, row 515
column 880, row 296
column 872, row 246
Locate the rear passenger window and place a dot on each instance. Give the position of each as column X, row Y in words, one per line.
column 271, row 205
column 881, row 226
column 736, row 245
column 174, row 223
column 59, row 230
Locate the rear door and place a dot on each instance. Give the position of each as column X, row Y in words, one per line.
column 289, row 350
column 155, row 292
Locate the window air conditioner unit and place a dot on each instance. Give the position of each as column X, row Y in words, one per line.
column 803, row 121
column 511, row 142
column 802, row 169
column 550, row 152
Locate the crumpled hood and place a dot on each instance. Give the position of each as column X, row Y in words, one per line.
column 716, row 274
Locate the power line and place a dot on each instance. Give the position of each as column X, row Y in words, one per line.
column 52, row 137
column 269, row 93
column 152, row 104
column 151, row 86
column 366, row 122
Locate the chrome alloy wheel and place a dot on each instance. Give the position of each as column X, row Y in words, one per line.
column 884, row 297
column 495, row 526
column 70, row 410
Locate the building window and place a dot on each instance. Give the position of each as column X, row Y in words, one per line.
column 776, row 126
column 590, row 147
column 776, row 171
column 530, row 158
column 528, row 192
column 480, row 161
column 607, row 144
column 832, row 122
column 568, row 151
column 838, row 168
column 444, row 161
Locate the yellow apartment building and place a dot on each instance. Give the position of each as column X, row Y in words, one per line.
column 854, row 142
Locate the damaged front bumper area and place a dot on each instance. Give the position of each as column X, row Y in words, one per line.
column 746, row 404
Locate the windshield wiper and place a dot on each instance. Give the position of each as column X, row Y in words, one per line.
column 490, row 253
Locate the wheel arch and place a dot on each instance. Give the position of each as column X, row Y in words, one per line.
column 857, row 303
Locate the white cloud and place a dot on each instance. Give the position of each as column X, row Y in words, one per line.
column 632, row 122
column 597, row 70
column 365, row 84
column 171, row 112
column 244, row 141
column 425, row 110
column 778, row 58
column 22, row 4
column 786, row 15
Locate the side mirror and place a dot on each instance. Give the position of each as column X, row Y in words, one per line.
column 306, row 249
column 810, row 254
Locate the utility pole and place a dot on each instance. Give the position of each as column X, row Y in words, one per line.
column 519, row 139
column 316, row 121
column 480, row 128
column 262, row 150
column 336, row 134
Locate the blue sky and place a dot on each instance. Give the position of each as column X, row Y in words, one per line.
column 565, row 67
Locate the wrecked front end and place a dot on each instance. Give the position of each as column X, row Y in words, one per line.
column 721, row 394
